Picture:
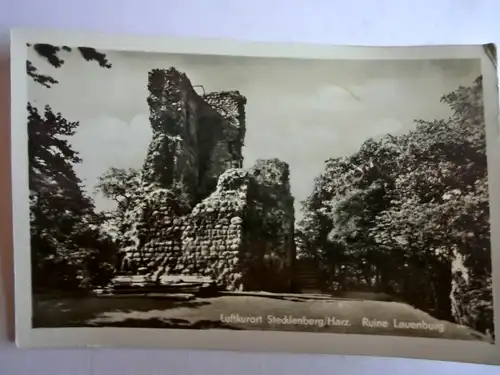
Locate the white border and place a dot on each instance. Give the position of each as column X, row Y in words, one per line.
column 266, row 341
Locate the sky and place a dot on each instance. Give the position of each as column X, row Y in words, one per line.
column 300, row 111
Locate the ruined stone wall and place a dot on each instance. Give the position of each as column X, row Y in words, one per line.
column 221, row 142
column 269, row 227
column 196, row 211
column 242, row 234
column 151, row 230
column 212, row 240
column 231, row 106
column 195, row 138
column 179, row 163
column 172, row 157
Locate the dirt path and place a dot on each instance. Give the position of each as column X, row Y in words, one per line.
column 251, row 312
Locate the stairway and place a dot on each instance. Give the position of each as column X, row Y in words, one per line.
column 306, row 276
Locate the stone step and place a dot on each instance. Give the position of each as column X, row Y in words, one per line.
column 306, row 276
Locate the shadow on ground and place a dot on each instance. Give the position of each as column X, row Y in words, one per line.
column 77, row 312
column 169, row 323
column 322, row 313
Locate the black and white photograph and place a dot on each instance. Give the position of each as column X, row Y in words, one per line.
column 219, row 192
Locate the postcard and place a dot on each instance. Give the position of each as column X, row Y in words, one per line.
column 208, row 194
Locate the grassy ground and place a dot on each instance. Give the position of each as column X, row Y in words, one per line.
column 209, row 313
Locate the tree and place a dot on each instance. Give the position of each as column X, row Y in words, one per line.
column 119, row 185
column 51, row 156
column 69, row 248
column 446, row 179
column 345, row 201
column 122, row 186
column 51, row 54
column 410, row 213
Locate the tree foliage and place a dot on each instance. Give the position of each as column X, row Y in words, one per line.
column 121, row 186
column 408, row 215
column 118, row 184
column 52, row 55
column 69, row 248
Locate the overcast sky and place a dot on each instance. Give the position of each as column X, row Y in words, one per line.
column 301, row 111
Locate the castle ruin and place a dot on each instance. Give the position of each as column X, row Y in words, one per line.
column 197, row 211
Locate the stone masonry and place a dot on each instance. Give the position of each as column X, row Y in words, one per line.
column 197, row 212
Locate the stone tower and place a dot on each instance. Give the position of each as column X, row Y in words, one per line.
column 197, row 212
